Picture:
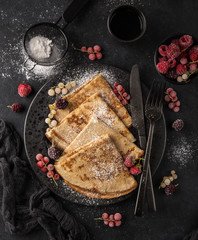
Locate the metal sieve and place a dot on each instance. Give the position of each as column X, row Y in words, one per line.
column 53, row 32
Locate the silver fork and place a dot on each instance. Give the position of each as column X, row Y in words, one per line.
column 153, row 111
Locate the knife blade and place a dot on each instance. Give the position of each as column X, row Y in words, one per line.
column 136, row 102
column 137, row 112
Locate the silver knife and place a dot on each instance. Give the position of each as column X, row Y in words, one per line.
column 137, row 112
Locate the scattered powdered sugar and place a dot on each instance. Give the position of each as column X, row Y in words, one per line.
column 182, row 150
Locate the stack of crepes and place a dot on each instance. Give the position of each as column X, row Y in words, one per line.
column 94, row 136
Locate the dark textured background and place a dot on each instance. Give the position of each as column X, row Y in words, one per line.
column 176, row 215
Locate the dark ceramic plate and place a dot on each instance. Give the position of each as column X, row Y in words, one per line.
column 157, row 55
column 35, row 126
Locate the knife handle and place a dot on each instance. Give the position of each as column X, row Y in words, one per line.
column 150, row 192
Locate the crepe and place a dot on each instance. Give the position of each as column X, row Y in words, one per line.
column 95, row 129
column 97, row 171
column 68, row 129
column 96, row 85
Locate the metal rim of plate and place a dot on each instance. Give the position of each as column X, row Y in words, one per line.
column 36, row 142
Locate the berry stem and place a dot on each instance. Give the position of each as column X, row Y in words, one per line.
column 123, row 98
column 105, row 219
column 49, row 171
column 188, row 80
column 78, row 49
column 9, row 106
column 169, row 96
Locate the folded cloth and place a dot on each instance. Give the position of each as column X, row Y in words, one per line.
column 192, row 236
column 21, row 209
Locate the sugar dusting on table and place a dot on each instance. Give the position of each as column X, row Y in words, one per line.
column 182, row 150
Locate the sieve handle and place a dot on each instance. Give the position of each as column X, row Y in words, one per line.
column 26, row 66
column 73, row 9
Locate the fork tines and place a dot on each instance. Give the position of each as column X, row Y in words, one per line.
column 156, row 93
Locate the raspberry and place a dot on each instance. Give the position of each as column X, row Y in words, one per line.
column 177, row 103
column 16, row 107
column 92, row 56
column 171, row 74
column 185, row 41
column 90, row 50
column 50, row 167
column 115, row 84
column 162, row 67
column 106, row 222
column 111, row 217
column 50, row 174
column 105, row 215
column 162, row 59
column 135, row 170
column 193, row 57
column 182, row 55
column 56, row 176
column 97, row 48
column 194, row 50
column 128, row 162
column 180, row 69
column 83, row 49
column 61, row 103
column 39, row 156
column 172, row 63
column 178, row 124
column 163, row 50
column 98, row 55
column 24, row 90
column 173, row 51
column 193, row 66
column 175, row 41
column 169, row 190
column 54, row 153
column 183, row 60
column 117, row 216
column 40, row 164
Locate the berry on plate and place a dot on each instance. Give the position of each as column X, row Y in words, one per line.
column 61, row 103
column 163, row 67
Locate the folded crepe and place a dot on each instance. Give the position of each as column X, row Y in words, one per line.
column 96, row 85
column 97, row 170
column 94, row 130
column 68, row 129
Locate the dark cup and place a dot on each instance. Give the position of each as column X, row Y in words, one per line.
column 126, row 23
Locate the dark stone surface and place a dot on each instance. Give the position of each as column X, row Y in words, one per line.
column 176, row 215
